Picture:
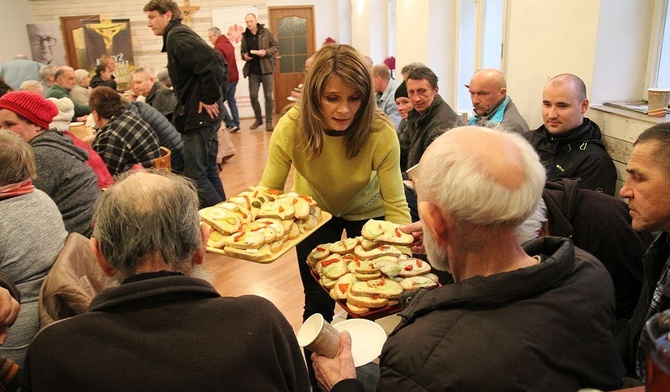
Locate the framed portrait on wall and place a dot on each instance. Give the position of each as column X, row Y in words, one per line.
column 46, row 43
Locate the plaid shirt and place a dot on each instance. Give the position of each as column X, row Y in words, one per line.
column 125, row 141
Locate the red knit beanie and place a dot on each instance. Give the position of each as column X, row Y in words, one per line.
column 31, row 106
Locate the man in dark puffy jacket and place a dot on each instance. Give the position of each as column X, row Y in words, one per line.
column 569, row 144
column 598, row 224
column 536, row 318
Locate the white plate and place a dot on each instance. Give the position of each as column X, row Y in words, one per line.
column 367, row 339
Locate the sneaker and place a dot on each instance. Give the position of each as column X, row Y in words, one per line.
column 233, row 129
column 256, row 124
column 269, row 128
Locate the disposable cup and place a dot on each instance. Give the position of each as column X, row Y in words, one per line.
column 318, row 336
column 658, row 101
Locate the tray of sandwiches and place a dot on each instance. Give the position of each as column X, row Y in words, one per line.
column 261, row 224
column 366, row 275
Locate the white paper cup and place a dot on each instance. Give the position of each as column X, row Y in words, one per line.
column 658, row 101
column 318, row 336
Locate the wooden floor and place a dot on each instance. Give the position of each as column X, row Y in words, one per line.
column 279, row 281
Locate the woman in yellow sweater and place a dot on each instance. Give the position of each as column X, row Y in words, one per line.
column 346, row 156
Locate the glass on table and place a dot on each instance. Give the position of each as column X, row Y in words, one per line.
column 658, row 352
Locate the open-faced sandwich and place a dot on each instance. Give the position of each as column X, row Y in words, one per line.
column 364, row 280
column 385, row 232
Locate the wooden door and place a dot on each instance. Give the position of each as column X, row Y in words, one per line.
column 73, row 35
column 293, row 27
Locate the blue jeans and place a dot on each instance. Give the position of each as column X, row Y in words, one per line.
column 235, row 120
column 200, row 148
column 255, row 82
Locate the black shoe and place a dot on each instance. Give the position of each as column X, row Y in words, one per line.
column 256, row 124
column 233, row 129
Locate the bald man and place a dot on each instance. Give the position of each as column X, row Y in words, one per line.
column 492, row 106
column 570, row 145
column 532, row 318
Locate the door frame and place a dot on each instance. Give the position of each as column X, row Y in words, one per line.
column 311, row 45
column 67, row 25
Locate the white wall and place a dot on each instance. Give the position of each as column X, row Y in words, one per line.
column 442, row 46
column 360, row 32
column 14, row 17
column 621, row 50
column 547, row 38
column 411, row 38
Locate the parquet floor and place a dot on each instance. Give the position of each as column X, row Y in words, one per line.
column 279, row 281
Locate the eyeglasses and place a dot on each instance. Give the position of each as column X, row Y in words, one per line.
column 49, row 41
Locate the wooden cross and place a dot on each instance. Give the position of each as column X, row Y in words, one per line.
column 187, row 10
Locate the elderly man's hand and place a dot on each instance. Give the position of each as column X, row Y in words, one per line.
column 9, row 311
column 331, row 371
column 212, row 110
column 416, row 230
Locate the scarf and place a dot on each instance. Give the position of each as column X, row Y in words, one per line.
column 497, row 116
column 17, row 189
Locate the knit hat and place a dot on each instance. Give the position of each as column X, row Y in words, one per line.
column 401, row 91
column 31, row 106
column 65, row 113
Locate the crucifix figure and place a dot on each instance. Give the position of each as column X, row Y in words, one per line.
column 187, row 9
column 107, row 30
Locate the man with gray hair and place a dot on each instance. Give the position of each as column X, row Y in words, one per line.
column 65, row 81
column 533, row 318
column 164, row 328
column 47, row 77
column 646, row 188
column 404, row 71
column 158, row 96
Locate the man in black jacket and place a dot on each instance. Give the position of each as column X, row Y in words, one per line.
column 646, row 189
column 536, row 318
column 569, row 144
column 430, row 117
column 164, row 327
column 197, row 74
column 598, row 224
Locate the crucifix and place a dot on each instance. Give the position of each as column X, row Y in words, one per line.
column 107, row 30
column 188, row 9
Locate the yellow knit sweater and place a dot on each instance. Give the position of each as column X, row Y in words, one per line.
column 366, row 186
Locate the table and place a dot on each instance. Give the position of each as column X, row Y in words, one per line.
column 83, row 132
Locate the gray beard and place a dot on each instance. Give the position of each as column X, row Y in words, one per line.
column 436, row 256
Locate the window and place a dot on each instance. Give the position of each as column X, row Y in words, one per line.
column 663, row 71
column 480, row 42
column 659, row 52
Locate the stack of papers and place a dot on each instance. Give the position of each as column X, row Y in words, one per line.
column 636, row 106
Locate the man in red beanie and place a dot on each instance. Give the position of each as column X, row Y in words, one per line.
column 62, row 172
